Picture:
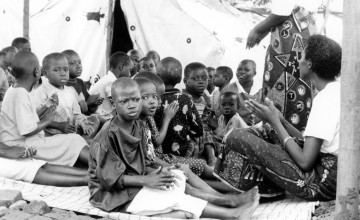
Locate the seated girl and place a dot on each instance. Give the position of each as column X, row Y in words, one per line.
column 304, row 164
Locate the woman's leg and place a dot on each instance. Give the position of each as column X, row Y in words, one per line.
column 274, row 163
column 46, row 177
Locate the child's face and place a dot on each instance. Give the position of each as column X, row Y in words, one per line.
column 24, row 47
column 9, row 58
column 2, row 61
column 245, row 72
column 58, row 72
column 126, row 69
column 75, row 67
column 149, row 99
column 219, row 79
column 197, row 80
column 147, row 65
column 211, row 78
column 228, row 106
column 127, row 103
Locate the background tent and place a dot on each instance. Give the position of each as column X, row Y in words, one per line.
column 207, row 31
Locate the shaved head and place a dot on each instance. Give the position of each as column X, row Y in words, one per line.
column 24, row 63
column 50, row 57
column 170, row 71
column 121, row 84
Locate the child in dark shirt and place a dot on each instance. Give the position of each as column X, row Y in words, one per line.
column 120, row 180
column 88, row 103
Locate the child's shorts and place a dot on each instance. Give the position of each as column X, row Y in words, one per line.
column 20, row 169
column 150, row 201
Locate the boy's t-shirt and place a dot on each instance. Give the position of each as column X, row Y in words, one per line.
column 113, row 154
column 80, row 88
column 68, row 108
column 4, row 85
column 18, row 116
column 185, row 124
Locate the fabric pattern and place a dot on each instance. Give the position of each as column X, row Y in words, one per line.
column 196, row 165
column 185, row 126
column 252, row 155
column 281, row 80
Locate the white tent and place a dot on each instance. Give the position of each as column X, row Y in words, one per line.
column 208, row 31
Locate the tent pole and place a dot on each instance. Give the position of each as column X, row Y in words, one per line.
column 26, row 19
column 109, row 35
column 347, row 194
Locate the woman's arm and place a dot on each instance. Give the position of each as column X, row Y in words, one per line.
column 263, row 28
column 304, row 157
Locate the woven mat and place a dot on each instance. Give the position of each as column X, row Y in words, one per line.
column 77, row 199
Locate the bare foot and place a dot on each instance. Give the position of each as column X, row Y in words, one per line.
column 245, row 211
column 236, row 200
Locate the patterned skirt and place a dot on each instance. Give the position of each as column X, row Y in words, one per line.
column 248, row 158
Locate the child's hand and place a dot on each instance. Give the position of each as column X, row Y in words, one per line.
column 170, row 110
column 160, row 180
column 94, row 99
column 53, row 100
column 49, row 114
column 213, row 123
column 87, row 127
column 17, row 152
column 67, row 127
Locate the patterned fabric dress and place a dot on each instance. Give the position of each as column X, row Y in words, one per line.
column 281, row 82
column 249, row 155
column 196, row 165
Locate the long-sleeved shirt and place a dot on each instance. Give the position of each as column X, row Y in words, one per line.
column 113, row 154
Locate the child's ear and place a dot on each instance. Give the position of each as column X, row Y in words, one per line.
column 121, row 67
column 185, row 80
column 43, row 72
column 37, row 71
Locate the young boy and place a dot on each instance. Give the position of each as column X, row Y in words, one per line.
column 10, row 53
column 195, row 79
column 244, row 86
column 230, row 118
column 123, row 182
column 120, row 66
column 4, row 85
column 68, row 113
column 22, row 44
column 88, row 103
column 147, row 64
column 210, row 87
column 222, row 78
column 135, row 56
column 186, row 124
column 154, row 56
column 20, row 123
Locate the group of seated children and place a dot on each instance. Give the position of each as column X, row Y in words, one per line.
column 141, row 136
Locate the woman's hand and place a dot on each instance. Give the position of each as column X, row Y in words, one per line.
column 255, row 38
column 267, row 112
